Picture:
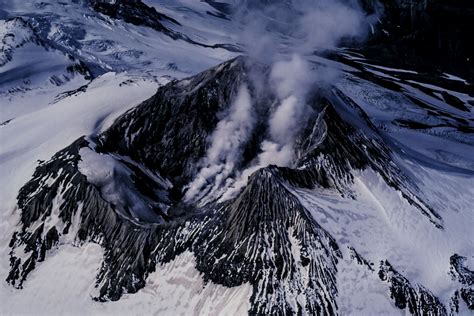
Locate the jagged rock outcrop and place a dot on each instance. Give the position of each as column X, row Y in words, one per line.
column 60, row 204
column 419, row 300
column 133, row 11
column 465, row 277
column 274, row 241
column 345, row 147
column 269, row 239
column 168, row 132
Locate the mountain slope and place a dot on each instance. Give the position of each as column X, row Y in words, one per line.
column 192, row 181
column 137, row 213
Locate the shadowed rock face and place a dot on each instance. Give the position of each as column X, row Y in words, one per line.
column 427, row 31
column 265, row 236
column 134, row 12
column 417, row 299
column 168, row 132
column 253, row 237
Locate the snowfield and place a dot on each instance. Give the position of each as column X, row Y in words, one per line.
column 65, row 284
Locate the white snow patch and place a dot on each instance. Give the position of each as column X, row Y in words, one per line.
column 64, row 285
column 455, row 78
column 360, row 291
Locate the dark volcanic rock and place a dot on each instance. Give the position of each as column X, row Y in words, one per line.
column 265, row 226
column 262, row 237
column 465, row 277
column 427, row 32
column 419, row 300
column 85, row 216
column 168, row 132
column 350, row 142
column 134, row 12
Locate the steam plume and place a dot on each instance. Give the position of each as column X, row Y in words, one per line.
column 226, row 146
column 283, row 35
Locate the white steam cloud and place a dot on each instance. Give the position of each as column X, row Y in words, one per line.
column 298, row 26
column 291, row 81
column 284, row 35
column 226, row 147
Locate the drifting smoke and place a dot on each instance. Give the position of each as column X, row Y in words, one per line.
column 291, row 80
column 282, row 35
column 226, row 147
column 275, row 29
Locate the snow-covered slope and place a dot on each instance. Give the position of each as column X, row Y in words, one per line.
column 31, row 70
column 108, row 44
column 271, row 184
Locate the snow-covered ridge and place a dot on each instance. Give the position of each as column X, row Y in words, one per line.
column 108, row 43
column 31, row 70
column 13, row 34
